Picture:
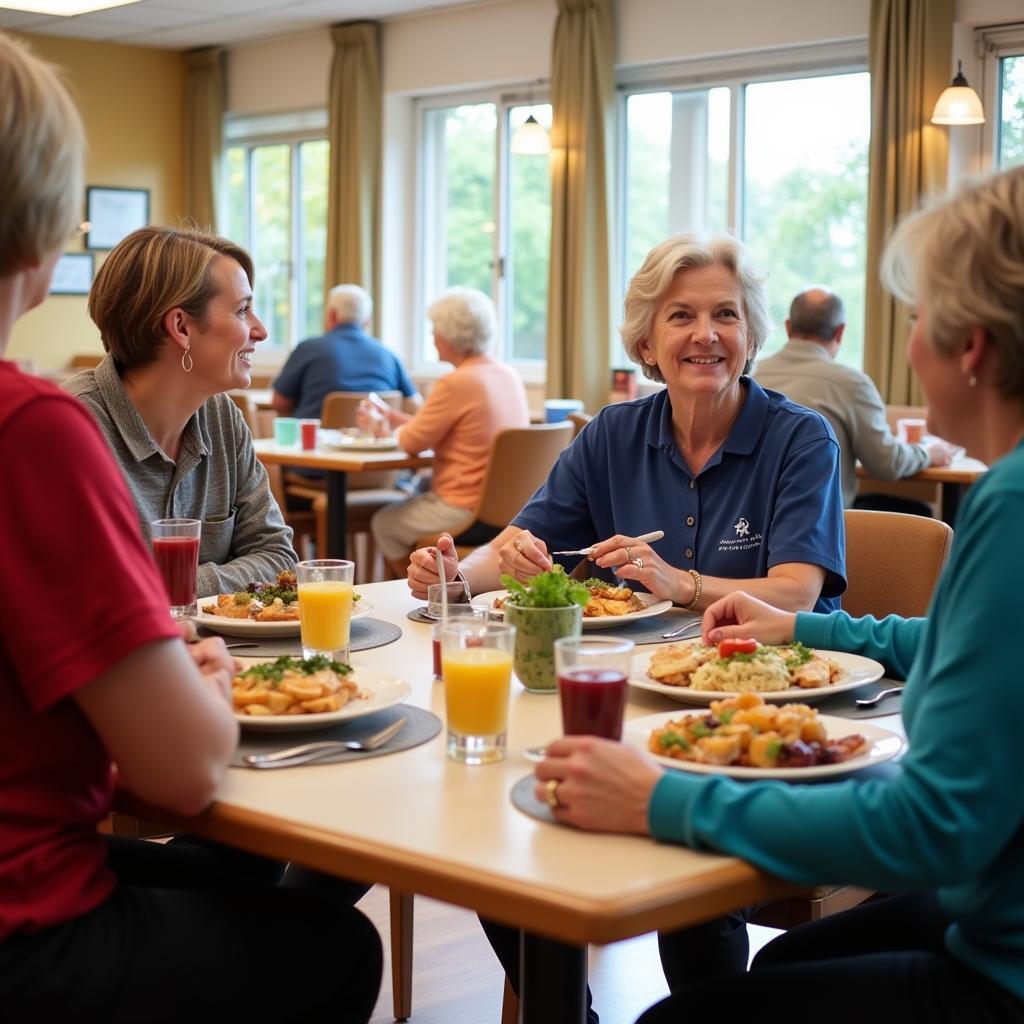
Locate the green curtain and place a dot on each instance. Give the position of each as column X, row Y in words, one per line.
column 582, row 140
column 354, row 131
column 911, row 42
column 204, row 119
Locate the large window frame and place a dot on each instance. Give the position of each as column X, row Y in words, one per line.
column 992, row 44
column 250, row 132
column 430, row 207
column 734, row 72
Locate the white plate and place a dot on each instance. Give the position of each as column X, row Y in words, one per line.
column 336, row 441
column 382, row 690
column 250, row 627
column 859, row 670
column 883, row 746
column 652, row 606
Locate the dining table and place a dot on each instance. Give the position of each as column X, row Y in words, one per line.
column 421, row 823
column 336, row 465
column 953, row 481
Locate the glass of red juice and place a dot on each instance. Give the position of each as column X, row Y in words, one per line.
column 176, row 552
column 592, row 674
column 460, row 612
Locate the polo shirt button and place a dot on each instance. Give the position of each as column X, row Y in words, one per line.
column 691, row 485
column 688, row 552
column 690, row 520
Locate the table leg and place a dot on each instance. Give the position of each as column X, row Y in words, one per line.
column 552, row 981
column 337, row 514
column 949, row 498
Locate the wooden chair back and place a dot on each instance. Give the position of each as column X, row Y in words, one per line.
column 579, row 420
column 339, row 411
column 84, row 361
column 893, row 562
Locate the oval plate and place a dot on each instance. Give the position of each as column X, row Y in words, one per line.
column 859, row 670
column 652, row 606
column 382, row 691
column 884, row 745
column 335, row 440
column 250, row 627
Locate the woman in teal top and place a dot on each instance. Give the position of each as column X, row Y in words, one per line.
column 946, row 833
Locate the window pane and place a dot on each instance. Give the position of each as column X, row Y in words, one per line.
column 805, row 193
column 236, row 214
column 271, row 240
column 677, row 167
column 313, row 235
column 1011, row 111
column 529, row 242
column 458, row 200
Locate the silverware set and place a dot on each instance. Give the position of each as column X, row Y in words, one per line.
column 307, row 752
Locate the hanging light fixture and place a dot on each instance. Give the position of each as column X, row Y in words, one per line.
column 959, row 103
column 530, row 138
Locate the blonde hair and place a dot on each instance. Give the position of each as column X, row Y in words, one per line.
column 153, row 270
column 41, row 152
column 688, row 252
column 465, row 318
column 962, row 258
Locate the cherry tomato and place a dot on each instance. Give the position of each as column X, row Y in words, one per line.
column 728, row 647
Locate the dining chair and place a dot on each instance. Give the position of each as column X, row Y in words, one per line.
column 85, row 361
column 520, row 460
column 893, row 562
column 579, row 420
column 365, row 492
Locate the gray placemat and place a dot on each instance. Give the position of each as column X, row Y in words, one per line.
column 366, row 634
column 420, row 615
column 845, row 704
column 420, row 726
column 524, row 800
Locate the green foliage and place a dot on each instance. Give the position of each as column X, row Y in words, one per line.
column 551, row 589
column 1011, row 126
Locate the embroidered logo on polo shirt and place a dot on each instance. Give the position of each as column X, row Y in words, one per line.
column 742, row 527
column 744, row 539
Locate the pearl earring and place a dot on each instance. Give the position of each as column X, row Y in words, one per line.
column 972, row 381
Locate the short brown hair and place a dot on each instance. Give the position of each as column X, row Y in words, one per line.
column 41, row 151
column 153, row 270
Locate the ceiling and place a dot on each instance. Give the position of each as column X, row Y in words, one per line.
column 183, row 24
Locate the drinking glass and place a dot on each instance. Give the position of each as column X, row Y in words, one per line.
column 286, row 431
column 476, row 659
column 307, row 431
column 325, row 606
column 592, row 675
column 460, row 612
column 458, row 593
column 176, row 551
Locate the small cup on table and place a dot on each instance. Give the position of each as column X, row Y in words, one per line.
column 286, row 431
column 476, row 659
column 325, row 606
column 911, row 430
column 176, row 552
column 592, row 673
column 307, row 432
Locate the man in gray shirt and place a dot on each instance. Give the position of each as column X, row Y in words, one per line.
column 806, row 371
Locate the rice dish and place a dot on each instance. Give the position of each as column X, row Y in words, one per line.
column 765, row 672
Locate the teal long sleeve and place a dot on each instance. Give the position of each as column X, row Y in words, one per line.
column 952, row 817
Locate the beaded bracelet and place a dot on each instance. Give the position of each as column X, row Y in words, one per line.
column 698, row 586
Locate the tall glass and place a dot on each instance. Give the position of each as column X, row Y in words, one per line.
column 459, row 613
column 176, row 552
column 325, row 606
column 476, row 659
column 592, row 674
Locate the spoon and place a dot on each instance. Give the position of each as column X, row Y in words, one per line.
column 870, row 702
column 444, row 587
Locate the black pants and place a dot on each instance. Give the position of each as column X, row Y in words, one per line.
column 880, row 961
column 704, row 951
column 196, row 932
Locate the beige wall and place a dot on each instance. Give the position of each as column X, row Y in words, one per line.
column 131, row 101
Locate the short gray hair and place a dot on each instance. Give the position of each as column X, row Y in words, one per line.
column 962, row 258
column 688, row 252
column 465, row 318
column 350, row 304
column 816, row 313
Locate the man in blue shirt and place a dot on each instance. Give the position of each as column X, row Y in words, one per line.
column 344, row 358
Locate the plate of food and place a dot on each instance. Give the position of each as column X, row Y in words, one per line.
column 261, row 609
column 692, row 672
column 608, row 606
column 355, row 441
column 745, row 738
column 290, row 693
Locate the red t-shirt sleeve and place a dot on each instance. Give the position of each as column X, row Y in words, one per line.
column 83, row 589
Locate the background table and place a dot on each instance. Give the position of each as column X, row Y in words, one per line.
column 953, row 479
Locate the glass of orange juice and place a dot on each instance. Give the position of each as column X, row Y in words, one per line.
column 325, row 606
column 476, row 660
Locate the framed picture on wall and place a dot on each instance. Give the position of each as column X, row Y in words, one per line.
column 113, row 213
column 73, row 274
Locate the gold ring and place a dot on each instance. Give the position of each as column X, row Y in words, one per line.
column 552, row 797
column 638, row 562
column 629, row 557
column 518, row 544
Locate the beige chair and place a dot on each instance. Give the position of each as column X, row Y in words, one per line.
column 893, row 562
column 579, row 420
column 520, row 461
column 366, row 492
column 84, row 361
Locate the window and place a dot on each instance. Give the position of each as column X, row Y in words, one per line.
column 1002, row 94
column 485, row 218
column 275, row 204
column 781, row 160
column 1010, row 149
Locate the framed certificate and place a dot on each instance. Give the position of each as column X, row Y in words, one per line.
column 73, row 274
column 113, row 213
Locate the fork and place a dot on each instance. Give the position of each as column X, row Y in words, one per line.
column 306, row 752
column 587, row 552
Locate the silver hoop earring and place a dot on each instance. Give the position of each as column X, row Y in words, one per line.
column 186, row 366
